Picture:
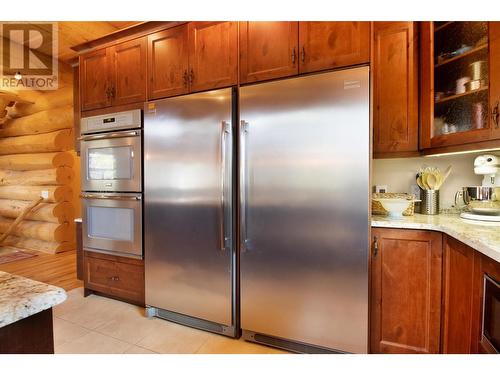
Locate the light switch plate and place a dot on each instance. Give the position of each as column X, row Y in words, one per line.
column 380, row 188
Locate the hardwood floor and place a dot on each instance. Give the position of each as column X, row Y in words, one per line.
column 56, row 269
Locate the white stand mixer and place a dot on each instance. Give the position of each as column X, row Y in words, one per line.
column 484, row 201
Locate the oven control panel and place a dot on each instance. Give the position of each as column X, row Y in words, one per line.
column 112, row 121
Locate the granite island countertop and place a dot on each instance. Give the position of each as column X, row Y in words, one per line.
column 483, row 238
column 21, row 297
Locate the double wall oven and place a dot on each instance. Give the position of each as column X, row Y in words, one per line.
column 111, row 169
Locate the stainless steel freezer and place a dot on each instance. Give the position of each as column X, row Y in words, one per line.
column 188, row 180
column 304, row 206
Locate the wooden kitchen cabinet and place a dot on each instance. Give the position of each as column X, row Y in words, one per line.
column 327, row 45
column 168, row 62
column 494, row 37
column 457, row 116
column 115, row 276
column 213, row 55
column 395, row 88
column 405, row 291
column 113, row 76
column 94, row 80
column 268, row 50
column 128, row 71
column 459, row 286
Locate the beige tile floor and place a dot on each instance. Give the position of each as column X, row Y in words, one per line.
column 99, row 325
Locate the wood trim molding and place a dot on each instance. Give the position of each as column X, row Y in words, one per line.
column 128, row 33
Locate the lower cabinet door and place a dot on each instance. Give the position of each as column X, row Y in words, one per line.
column 405, row 291
column 114, row 276
column 458, row 288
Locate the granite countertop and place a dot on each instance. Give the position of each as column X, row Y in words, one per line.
column 483, row 238
column 21, row 297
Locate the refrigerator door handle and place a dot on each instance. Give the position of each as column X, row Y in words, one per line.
column 243, row 186
column 225, row 227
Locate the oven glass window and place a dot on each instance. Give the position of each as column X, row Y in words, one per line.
column 110, row 163
column 111, row 223
column 492, row 312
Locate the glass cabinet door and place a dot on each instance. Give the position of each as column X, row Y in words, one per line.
column 459, row 80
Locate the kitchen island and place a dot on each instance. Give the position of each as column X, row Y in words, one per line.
column 26, row 315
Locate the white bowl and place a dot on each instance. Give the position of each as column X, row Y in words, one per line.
column 395, row 206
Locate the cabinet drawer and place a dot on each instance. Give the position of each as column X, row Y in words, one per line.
column 115, row 278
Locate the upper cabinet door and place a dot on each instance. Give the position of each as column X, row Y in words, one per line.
column 128, row 71
column 494, row 30
column 395, row 87
column 213, row 55
column 94, row 80
column 168, row 63
column 326, row 45
column 268, row 50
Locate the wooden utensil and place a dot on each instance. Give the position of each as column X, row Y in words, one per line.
column 431, row 181
column 420, row 183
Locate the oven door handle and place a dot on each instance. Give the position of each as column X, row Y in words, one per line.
column 112, row 197
column 92, row 137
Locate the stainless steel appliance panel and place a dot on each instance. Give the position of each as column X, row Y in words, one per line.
column 112, row 223
column 188, row 224
column 111, row 122
column 111, row 161
column 304, row 176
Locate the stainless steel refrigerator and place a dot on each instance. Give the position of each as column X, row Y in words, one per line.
column 276, row 202
column 304, row 178
column 190, row 259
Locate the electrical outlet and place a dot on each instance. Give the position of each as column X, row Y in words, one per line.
column 415, row 190
column 45, row 194
column 380, row 188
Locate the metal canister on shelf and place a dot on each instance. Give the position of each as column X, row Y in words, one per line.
column 477, row 118
column 478, row 70
column 430, row 202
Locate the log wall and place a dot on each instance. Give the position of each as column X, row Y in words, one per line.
column 37, row 154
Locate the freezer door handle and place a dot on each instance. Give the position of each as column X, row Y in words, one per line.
column 243, row 186
column 226, row 167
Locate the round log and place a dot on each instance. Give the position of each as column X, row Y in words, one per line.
column 25, row 162
column 40, row 122
column 51, row 212
column 43, row 100
column 55, row 176
column 50, row 247
column 57, row 232
column 26, row 193
column 61, row 140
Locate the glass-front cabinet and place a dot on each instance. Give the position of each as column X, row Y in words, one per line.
column 458, row 104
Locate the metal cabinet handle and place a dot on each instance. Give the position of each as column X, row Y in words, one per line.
column 293, row 56
column 191, row 76
column 225, row 227
column 185, row 78
column 114, row 278
column 495, row 113
column 110, row 135
column 375, row 246
column 244, row 242
column 111, row 197
column 112, row 92
column 303, row 54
